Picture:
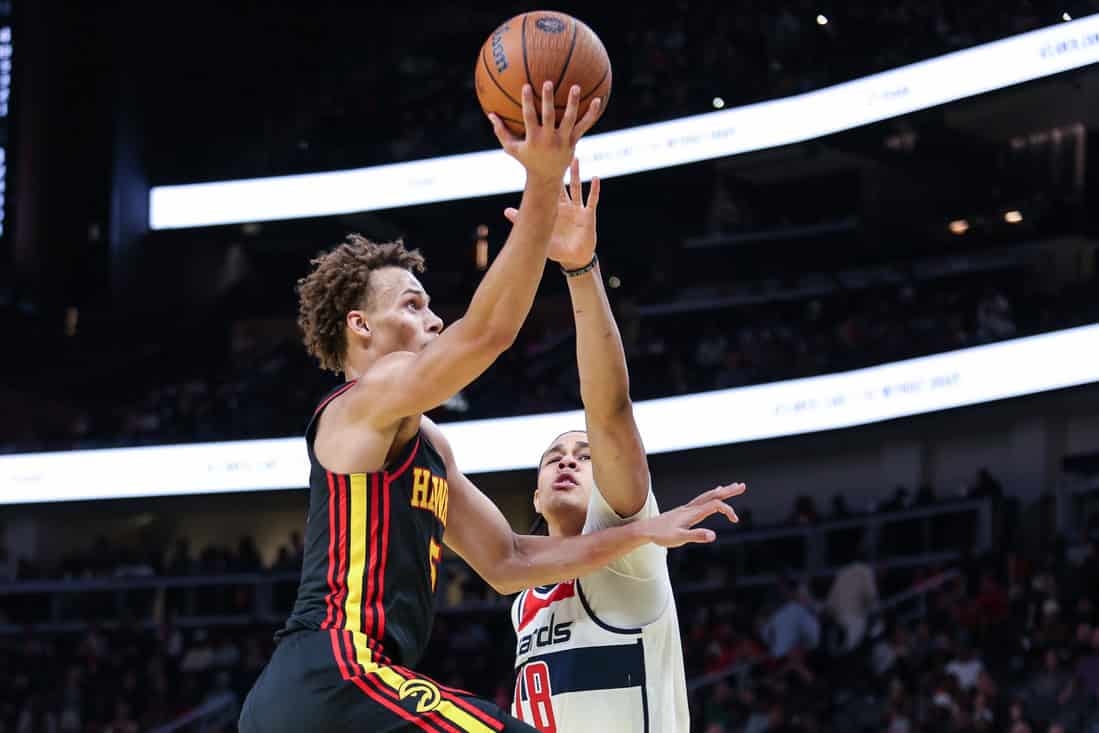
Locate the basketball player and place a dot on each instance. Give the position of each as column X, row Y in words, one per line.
column 385, row 492
column 601, row 651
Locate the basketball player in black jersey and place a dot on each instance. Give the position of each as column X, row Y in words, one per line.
column 385, row 491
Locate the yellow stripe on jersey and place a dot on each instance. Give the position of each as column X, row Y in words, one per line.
column 462, row 719
column 356, row 554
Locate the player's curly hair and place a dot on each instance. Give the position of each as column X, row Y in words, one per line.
column 338, row 283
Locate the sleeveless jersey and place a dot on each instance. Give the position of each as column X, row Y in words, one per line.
column 373, row 542
column 576, row 672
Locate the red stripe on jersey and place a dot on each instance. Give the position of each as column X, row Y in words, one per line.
column 442, row 688
column 532, row 604
column 328, row 599
column 334, row 395
column 337, row 652
column 352, row 657
column 385, row 556
column 372, row 595
column 404, row 467
column 344, row 548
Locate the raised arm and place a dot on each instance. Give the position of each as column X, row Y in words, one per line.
column 618, row 456
column 403, row 383
column 480, row 534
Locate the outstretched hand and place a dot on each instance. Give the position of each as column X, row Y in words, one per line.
column 547, row 148
column 574, row 237
column 677, row 526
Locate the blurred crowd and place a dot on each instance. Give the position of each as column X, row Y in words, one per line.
column 692, row 339
column 1005, row 641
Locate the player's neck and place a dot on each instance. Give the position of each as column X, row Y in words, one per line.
column 357, row 362
column 570, row 527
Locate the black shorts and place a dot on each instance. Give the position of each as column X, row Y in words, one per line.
column 328, row 682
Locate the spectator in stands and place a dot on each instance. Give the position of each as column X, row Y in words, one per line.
column 1087, row 670
column 851, row 599
column 1045, row 692
column 200, row 656
column 840, row 509
column 966, row 667
column 804, row 511
column 994, row 321
column 123, row 721
column 182, row 562
column 247, row 559
column 791, row 631
column 1017, row 720
column 1052, row 631
column 986, row 486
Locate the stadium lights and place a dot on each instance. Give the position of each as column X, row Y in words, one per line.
column 714, row 134
column 822, row 20
column 718, row 102
column 959, row 226
column 796, row 406
column 1013, row 217
column 1066, row 17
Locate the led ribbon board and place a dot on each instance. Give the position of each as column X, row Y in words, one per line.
column 792, row 119
column 911, row 387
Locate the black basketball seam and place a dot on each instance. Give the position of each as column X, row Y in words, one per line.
column 510, row 119
column 488, row 70
column 597, row 84
column 572, row 47
column 526, row 66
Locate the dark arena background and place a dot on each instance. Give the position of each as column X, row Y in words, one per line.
column 851, row 247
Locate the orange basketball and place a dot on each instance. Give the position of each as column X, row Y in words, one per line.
column 532, row 48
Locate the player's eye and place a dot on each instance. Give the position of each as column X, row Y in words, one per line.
column 585, row 457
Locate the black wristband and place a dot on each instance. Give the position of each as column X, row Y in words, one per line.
column 585, row 269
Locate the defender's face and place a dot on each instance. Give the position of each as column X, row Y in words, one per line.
column 565, row 477
column 399, row 316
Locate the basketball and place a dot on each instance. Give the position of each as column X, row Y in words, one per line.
column 536, row 47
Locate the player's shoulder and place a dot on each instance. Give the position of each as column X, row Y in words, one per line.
column 435, row 436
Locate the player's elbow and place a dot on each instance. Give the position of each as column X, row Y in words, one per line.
column 488, row 339
column 505, row 587
column 503, row 579
column 506, row 576
column 499, row 339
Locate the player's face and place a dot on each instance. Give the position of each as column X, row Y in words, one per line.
column 398, row 314
column 564, row 478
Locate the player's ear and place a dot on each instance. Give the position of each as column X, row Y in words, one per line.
column 356, row 323
column 537, row 502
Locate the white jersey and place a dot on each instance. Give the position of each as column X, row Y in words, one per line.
column 603, row 652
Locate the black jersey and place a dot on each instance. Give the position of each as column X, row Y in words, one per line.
column 373, row 542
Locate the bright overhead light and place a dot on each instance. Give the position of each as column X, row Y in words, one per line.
column 822, row 20
column 959, row 226
column 718, row 102
column 1013, row 217
column 1066, row 17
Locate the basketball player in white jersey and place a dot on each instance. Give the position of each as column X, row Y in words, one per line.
column 601, row 652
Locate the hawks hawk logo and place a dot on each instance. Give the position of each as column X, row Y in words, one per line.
column 426, row 694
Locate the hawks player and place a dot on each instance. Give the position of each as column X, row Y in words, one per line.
column 601, row 651
column 384, row 489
